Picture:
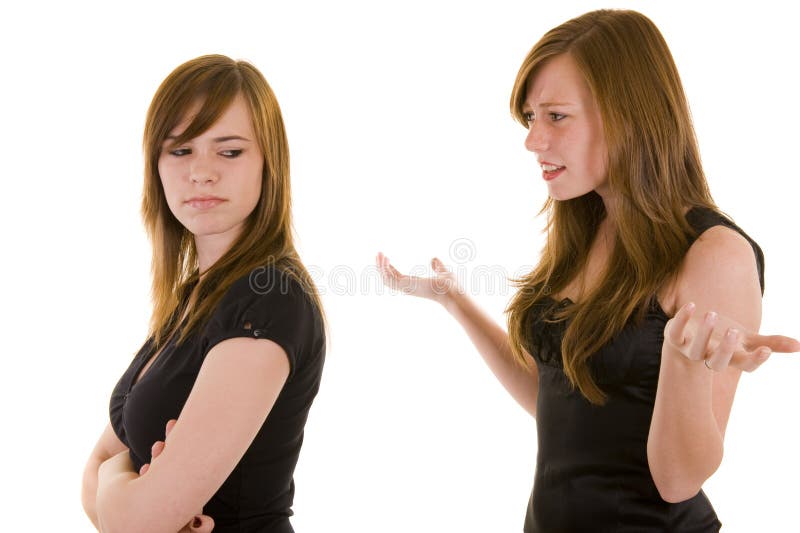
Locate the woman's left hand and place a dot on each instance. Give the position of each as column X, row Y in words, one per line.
column 200, row 523
column 720, row 342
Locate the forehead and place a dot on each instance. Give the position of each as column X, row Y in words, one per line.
column 235, row 118
column 558, row 80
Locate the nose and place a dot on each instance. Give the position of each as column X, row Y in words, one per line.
column 537, row 139
column 201, row 169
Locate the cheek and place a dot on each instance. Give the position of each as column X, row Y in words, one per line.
column 251, row 187
column 165, row 173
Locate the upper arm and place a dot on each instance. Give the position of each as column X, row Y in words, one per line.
column 720, row 274
column 235, row 390
column 108, row 445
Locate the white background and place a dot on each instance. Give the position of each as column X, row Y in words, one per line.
column 401, row 141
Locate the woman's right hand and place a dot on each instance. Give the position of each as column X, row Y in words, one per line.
column 200, row 523
column 439, row 288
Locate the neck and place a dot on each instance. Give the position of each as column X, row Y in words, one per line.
column 210, row 248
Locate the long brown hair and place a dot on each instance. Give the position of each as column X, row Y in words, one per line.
column 266, row 238
column 654, row 172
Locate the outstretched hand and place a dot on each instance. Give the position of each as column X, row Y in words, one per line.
column 437, row 288
column 720, row 342
column 200, row 523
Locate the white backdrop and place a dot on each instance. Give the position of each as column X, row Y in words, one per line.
column 401, row 141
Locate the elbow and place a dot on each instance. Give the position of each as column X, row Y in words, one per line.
column 108, row 515
column 113, row 513
column 674, row 492
column 89, row 490
column 117, row 513
column 678, row 481
column 676, row 487
column 87, row 501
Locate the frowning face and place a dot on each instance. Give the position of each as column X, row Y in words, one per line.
column 213, row 182
column 565, row 130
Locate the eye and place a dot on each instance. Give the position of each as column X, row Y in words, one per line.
column 555, row 117
column 528, row 117
column 231, row 154
column 180, row 152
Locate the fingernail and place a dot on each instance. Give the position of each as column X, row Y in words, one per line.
column 711, row 315
column 690, row 306
column 732, row 333
column 197, row 522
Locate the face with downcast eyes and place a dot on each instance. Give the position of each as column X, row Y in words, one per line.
column 213, row 182
column 565, row 130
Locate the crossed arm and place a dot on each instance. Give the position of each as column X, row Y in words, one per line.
column 235, row 390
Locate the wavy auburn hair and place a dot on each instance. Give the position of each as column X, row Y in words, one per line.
column 654, row 172
column 266, row 238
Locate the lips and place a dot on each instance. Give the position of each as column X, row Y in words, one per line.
column 206, row 202
column 550, row 171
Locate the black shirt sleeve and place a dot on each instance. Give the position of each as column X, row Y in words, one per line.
column 266, row 304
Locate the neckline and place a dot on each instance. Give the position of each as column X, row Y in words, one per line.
column 150, row 360
column 566, row 301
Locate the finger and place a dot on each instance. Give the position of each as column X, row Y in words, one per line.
column 399, row 280
column 158, row 447
column 719, row 360
column 776, row 343
column 438, row 266
column 202, row 524
column 750, row 361
column 699, row 346
column 676, row 327
column 170, row 424
column 381, row 260
column 385, row 266
column 145, row 467
column 387, row 272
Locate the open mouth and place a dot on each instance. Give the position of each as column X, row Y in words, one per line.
column 551, row 171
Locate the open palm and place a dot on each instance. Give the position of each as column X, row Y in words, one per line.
column 436, row 287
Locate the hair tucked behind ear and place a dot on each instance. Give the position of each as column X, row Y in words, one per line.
column 266, row 239
column 654, row 171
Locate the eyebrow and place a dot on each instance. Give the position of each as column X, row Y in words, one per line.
column 216, row 139
column 550, row 104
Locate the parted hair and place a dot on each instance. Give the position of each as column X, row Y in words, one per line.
column 267, row 235
column 653, row 170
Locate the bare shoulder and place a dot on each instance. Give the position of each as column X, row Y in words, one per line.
column 718, row 251
column 720, row 272
column 719, row 254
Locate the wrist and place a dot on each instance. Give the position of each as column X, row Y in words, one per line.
column 690, row 373
column 453, row 300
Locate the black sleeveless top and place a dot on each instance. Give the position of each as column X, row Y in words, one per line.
column 591, row 469
column 267, row 304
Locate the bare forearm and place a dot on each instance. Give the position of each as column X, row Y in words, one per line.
column 113, row 504
column 89, row 490
column 684, row 447
column 492, row 342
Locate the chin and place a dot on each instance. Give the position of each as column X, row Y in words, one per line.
column 562, row 195
column 206, row 230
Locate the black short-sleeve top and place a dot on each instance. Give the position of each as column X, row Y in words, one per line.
column 592, row 472
column 266, row 304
